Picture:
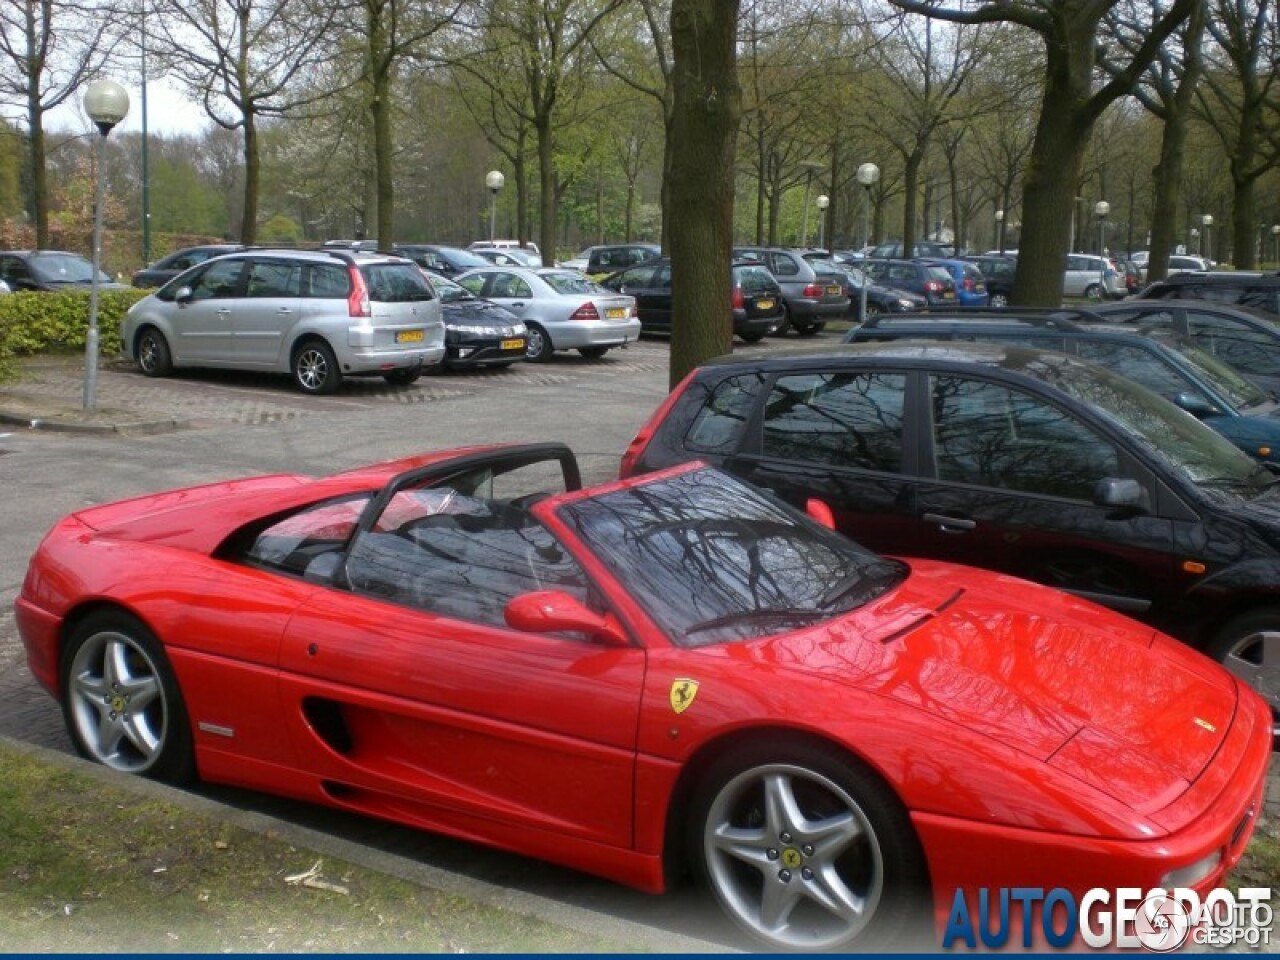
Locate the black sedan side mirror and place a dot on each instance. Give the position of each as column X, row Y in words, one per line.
column 1122, row 493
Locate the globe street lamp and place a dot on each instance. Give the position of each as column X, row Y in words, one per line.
column 1102, row 208
column 494, row 181
column 1207, row 220
column 868, row 174
column 822, row 202
column 1195, row 235
column 106, row 103
column 1000, row 230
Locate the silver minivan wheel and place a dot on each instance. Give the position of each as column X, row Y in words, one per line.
column 315, row 369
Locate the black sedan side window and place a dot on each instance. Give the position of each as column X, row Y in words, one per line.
column 1245, row 348
column 837, row 419
column 718, row 425
column 988, row 435
column 1137, row 365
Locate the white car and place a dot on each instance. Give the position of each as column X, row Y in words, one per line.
column 319, row 315
column 562, row 309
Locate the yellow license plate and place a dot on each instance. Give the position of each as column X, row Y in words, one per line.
column 617, row 313
column 834, row 291
column 512, row 344
column 411, row 336
column 764, row 304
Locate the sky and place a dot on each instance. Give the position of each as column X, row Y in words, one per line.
column 169, row 111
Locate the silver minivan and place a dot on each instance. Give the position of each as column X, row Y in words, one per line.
column 1092, row 276
column 318, row 315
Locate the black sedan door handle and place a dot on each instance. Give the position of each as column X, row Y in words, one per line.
column 949, row 524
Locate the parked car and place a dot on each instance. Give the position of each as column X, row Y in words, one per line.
column 446, row 261
column 562, row 309
column 879, row 299
column 675, row 674
column 599, row 262
column 529, row 246
column 1159, row 359
column 318, row 315
column 166, row 268
column 757, row 298
column 4, row 287
column 921, row 248
column 1260, row 291
column 508, row 256
column 477, row 333
column 999, row 272
column 50, row 270
column 1247, row 339
column 1025, row 461
column 971, row 285
column 927, row 280
column 1096, row 278
column 813, row 293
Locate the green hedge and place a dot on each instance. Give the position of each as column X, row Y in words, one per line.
column 39, row 322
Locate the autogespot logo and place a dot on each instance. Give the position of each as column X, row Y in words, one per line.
column 1126, row 918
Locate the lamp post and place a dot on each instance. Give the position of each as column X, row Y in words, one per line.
column 822, row 202
column 106, row 103
column 146, row 175
column 1207, row 220
column 1275, row 241
column 810, row 167
column 1195, row 235
column 1000, row 230
column 1102, row 208
column 868, row 174
column 494, row 181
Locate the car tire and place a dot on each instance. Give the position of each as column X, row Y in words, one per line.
column 751, row 337
column 1093, row 292
column 404, row 377
column 593, row 353
column 810, row 329
column 537, row 345
column 315, row 368
column 154, row 357
column 873, row 310
column 1240, row 645
column 999, row 300
column 751, row 815
column 121, row 701
column 784, row 324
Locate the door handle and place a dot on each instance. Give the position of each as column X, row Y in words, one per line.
column 516, row 303
column 284, row 311
column 949, row 524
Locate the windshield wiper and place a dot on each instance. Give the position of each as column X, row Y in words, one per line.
column 751, row 616
column 872, row 586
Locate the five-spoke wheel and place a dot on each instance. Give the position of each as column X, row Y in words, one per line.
column 121, row 701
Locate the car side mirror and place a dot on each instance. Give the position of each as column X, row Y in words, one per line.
column 184, row 295
column 554, row 611
column 1121, row 493
column 819, row 510
column 1195, row 405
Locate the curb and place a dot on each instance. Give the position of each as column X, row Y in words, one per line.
column 645, row 938
column 53, row 425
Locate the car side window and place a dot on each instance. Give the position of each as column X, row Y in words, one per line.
column 460, row 555
column 328, row 281
column 636, row 277
column 718, row 425
column 782, row 265
column 510, row 286
column 1230, row 293
column 1246, row 348
column 1137, row 365
column 989, row 435
column 291, row 545
column 836, row 419
column 273, row 278
column 13, row 269
column 1260, row 298
column 662, row 277
column 219, row 281
column 474, row 284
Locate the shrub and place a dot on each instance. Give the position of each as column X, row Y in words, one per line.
column 39, row 322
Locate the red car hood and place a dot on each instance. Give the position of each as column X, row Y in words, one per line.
column 1096, row 695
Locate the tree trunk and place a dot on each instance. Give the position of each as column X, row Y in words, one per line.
column 546, row 186
column 39, row 173
column 668, row 162
column 706, row 109
column 524, row 232
column 910, row 199
column 252, row 164
column 382, row 149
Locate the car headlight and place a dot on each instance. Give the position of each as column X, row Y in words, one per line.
column 907, row 304
column 473, row 330
column 518, row 330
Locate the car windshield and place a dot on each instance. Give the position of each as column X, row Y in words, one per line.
column 1242, row 394
column 64, row 268
column 449, row 291
column 396, row 283
column 1168, row 433
column 568, row 282
column 714, row 561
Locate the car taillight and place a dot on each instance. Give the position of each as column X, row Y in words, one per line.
column 813, row 290
column 641, row 440
column 587, row 311
column 739, row 301
column 932, row 286
column 969, row 284
column 358, row 298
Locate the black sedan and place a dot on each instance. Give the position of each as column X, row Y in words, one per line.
column 50, row 270
column 477, row 333
column 165, row 269
column 879, row 299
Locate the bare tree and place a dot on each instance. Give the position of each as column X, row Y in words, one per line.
column 705, row 128
column 50, row 49
column 1070, row 106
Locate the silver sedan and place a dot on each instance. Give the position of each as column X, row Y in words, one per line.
column 562, row 309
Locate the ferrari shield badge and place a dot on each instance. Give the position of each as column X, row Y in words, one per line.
column 682, row 694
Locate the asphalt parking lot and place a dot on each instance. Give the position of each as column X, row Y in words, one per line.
column 200, row 427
